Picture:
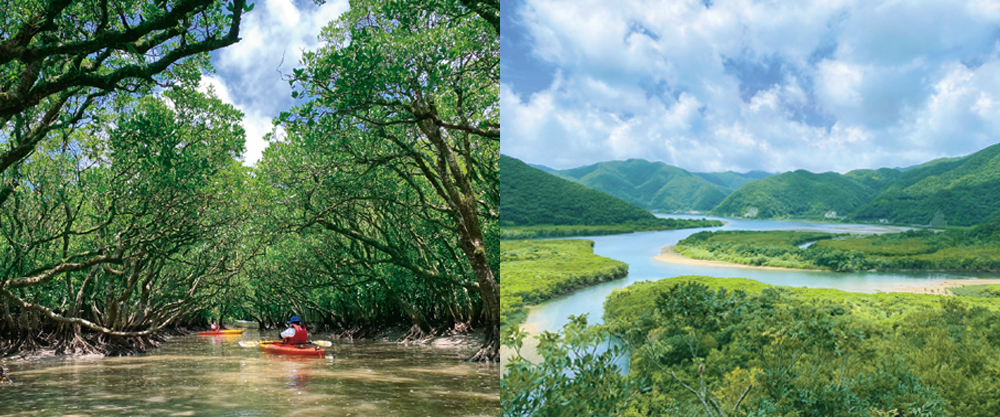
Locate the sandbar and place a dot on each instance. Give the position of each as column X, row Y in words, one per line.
column 942, row 288
column 939, row 288
column 670, row 256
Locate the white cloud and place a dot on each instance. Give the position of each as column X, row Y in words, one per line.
column 983, row 105
column 273, row 37
column 745, row 84
column 839, row 84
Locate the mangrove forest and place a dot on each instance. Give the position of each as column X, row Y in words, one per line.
column 126, row 211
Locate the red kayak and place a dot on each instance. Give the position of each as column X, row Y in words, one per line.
column 277, row 348
column 222, row 332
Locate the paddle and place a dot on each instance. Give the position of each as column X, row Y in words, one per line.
column 255, row 343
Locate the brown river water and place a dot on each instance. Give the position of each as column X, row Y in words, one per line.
column 215, row 376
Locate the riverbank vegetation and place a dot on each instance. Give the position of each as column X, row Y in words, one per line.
column 116, row 214
column 649, row 225
column 956, row 249
column 535, row 271
column 770, row 248
column 732, row 346
column 989, row 291
column 125, row 210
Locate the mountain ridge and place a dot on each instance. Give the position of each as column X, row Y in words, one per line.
column 657, row 185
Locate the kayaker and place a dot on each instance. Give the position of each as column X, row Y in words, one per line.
column 296, row 333
column 215, row 326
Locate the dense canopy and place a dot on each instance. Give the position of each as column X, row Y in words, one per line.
column 124, row 209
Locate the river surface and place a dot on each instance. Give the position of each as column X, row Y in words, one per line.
column 214, row 376
column 639, row 249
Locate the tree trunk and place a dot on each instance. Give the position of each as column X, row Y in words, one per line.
column 461, row 196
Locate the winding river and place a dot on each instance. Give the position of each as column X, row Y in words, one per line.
column 206, row 375
column 639, row 249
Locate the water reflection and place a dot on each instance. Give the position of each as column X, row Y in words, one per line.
column 198, row 375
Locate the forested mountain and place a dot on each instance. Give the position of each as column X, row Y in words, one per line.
column 651, row 185
column 877, row 179
column 804, row 194
column 733, row 180
column 541, row 167
column 532, row 197
column 965, row 190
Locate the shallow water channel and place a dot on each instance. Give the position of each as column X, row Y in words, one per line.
column 214, row 376
column 638, row 250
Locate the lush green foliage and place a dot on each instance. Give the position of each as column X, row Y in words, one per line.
column 531, row 232
column 115, row 176
column 125, row 209
column 578, row 375
column 975, row 249
column 770, row 248
column 388, row 175
column 532, row 197
column 988, row 291
column 650, row 185
column 536, row 270
column 731, row 346
column 128, row 234
column 966, row 190
column 876, row 179
column 802, row 194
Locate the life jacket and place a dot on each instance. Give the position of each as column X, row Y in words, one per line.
column 300, row 335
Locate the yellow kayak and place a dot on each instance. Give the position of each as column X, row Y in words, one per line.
column 222, row 332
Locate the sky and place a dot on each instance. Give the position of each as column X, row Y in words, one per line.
column 252, row 73
column 717, row 85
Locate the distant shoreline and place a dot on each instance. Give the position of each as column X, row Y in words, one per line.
column 669, row 255
column 940, row 288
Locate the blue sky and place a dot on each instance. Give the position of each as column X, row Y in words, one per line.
column 716, row 85
column 250, row 74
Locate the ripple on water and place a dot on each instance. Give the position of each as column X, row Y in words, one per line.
column 196, row 376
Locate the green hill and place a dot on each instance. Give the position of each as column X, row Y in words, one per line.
column 965, row 190
column 877, row 179
column 733, row 180
column 541, row 167
column 804, row 194
column 532, row 197
column 651, row 185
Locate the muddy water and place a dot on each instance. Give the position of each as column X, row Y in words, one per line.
column 214, row 376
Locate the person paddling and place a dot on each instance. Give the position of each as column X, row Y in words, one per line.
column 296, row 333
column 215, row 326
